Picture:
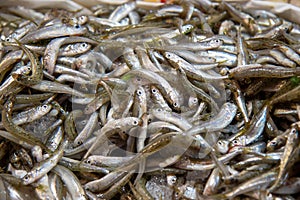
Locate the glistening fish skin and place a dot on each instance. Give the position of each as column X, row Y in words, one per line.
column 200, row 98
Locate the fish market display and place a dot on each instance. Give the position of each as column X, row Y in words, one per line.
column 132, row 100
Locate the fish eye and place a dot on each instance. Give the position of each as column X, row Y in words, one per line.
column 16, row 155
column 135, row 122
column 88, row 161
column 45, row 106
column 26, row 178
column 173, row 180
column 175, row 104
column 159, row 109
column 79, row 143
column 82, row 17
column 139, row 92
column 235, row 142
column 84, row 45
column 154, row 91
column 77, row 26
column 286, row 29
column 220, row 143
column 273, row 143
column 188, row 28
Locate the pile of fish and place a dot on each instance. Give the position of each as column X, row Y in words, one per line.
column 190, row 100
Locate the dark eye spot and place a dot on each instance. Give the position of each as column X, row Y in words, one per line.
column 273, row 143
column 77, row 26
column 26, row 177
column 139, row 92
column 135, row 122
column 45, row 106
column 16, row 155
column 286, row 29
column 154, row 91
column 175, row 105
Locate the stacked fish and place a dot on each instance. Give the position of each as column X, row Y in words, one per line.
column 123, row 100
